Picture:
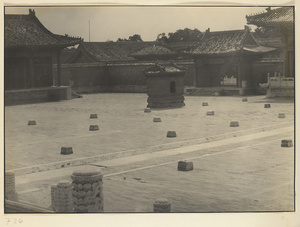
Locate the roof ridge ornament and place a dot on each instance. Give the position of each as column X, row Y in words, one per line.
column 31, row 12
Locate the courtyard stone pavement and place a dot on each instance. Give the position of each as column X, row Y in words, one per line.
column 235, row 168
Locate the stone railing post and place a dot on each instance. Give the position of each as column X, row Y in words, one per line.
column 54, row 197
column 10, row 186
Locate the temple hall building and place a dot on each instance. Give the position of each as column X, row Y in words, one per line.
column 280, row 20
column 30, row 52
column 228, row 54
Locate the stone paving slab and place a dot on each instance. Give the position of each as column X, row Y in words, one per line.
column 117, row 155
column 235, row 169
column 249, row 177
column 123, row 125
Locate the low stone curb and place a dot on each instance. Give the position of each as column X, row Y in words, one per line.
column 122, row 154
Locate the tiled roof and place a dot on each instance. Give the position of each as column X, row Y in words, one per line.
column 166, row 68
column 153, row 50
column 110, row 51
column 28, row 31
column 181, row 47
column 227, row 42
column 258, row 49
column 125, row 51
column 275, row 17
column 221, row 42
column 269, row 41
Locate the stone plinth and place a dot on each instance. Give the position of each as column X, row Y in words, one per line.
column 161, row 206
column 234, row 124
column 286, row 143
column 93, row 116
column 94, row 127
column 10, row 187
column 210, row 113
column 171, row 134
column 156, row 119
column 31, row 122
column 87, row 191
column 267, row 105
column 147, row 110
column 281, row 115
column 185, row 166
column 66, row 150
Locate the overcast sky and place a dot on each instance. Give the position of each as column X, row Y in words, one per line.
column 111, row 23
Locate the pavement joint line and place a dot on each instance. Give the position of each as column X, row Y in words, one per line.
column 197, row 157
column 132, row 152
column 166, row 154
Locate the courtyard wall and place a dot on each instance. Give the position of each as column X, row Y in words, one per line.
column 113, row 77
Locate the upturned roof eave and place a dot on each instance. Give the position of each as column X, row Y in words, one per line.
column 58, row 41
column 284, row 17
column 54, row 46
column 153, row 55
column 165, row 73
column 213, row 54
column 258, row 50
column 271, row 24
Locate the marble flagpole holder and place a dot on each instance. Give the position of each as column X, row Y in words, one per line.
column 87, row 191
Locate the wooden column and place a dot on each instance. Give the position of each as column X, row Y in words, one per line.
column 24, row 73
column 51, row 77
column 292, row 63
column 239, row 75
column 196, row 73
column 289, row 50
column 286, row 63
column 31, row 72
column 59, row 68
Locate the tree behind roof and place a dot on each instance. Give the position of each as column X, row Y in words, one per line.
column 181, row 35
